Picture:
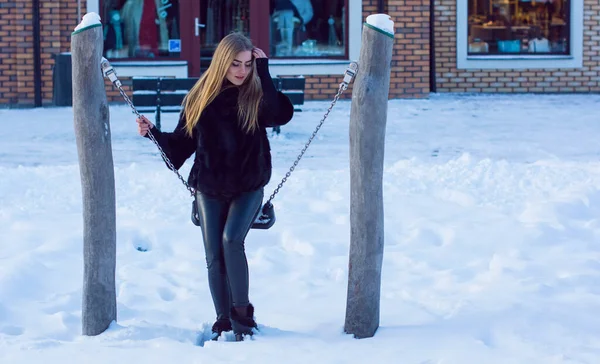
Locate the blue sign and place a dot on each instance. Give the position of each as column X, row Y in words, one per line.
column 174, row 45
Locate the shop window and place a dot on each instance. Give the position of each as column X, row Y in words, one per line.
column 308, row 28
column 519, row 27
column 145, row 29
column 221, row 18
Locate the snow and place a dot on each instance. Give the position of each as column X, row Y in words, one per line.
column 88, row 19
column 381, row 21
column 492, row 223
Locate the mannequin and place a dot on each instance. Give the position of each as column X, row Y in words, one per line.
column 131, row 13
column 284, row 17
column 305, row 10
column 144, row 37
column 148, row 34
column 289, row 13
column 113, row 34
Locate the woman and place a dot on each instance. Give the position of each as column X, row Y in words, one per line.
column 224, row 121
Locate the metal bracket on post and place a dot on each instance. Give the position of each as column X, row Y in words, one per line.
column 109, row 72
column 349, row 75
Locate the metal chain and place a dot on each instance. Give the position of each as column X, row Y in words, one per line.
column 162, row 152
column 343, row 86
column 109, row 72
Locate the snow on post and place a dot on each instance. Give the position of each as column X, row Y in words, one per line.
column 92, row 131
column 367, row 138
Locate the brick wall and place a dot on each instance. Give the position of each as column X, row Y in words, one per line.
column 16, row 52
column 112, row 94
column 57, row 21
column 451, row 79
column 410, row 61
column 410, row 66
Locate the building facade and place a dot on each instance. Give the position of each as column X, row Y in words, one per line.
column 543, row 46
column 440, row 46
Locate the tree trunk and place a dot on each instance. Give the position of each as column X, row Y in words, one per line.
column 367, row 140
column 92, row 131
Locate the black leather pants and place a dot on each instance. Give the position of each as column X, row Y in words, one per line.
column 225, row 224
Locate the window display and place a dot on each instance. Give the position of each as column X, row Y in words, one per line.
column 532, row 27
column 308, row 28
column 141, row 28
column 223, row 17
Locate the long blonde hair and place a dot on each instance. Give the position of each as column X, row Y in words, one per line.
column 210, row 84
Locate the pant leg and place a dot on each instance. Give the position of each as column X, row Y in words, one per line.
column 242, row 213
column 213, row 213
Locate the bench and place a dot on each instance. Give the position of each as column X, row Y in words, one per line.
column 165, row 94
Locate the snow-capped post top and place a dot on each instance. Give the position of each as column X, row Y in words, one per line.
column 89, row 20
column 382, row 23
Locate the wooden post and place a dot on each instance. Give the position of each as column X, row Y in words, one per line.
column 367, row 139
column 92, row 132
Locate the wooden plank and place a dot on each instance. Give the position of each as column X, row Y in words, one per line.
column 144, row 99
column 166, row 84
column 144, row 84
column 172, row 98
column 296, row 98
column 175, row 84
column 151, row 99
column 292, row 83
column 146, row 109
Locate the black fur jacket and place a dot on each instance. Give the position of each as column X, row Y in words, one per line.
column 228, row 161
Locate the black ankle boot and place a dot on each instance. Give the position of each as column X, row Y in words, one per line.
column 220, row 326
column 243, row 325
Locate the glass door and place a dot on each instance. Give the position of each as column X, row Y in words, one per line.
column 221, row 17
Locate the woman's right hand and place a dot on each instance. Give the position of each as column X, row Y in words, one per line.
column 144, row 125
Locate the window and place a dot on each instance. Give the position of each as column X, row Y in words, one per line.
column 141, row 29
column 308, row 29
column 221, row 18
column 535, row 27
column 519, row 34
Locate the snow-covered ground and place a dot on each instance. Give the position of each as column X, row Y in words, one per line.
column 492, row 218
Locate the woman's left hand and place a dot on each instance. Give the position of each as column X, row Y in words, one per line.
column 258, row 53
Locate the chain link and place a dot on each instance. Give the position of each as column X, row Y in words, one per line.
column 289, row 173
column 162, row 152
column 109, row 72
column 348, row 76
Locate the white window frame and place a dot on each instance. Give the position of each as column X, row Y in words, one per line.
column 93, row 6
column 319, row 66
column 573, row 60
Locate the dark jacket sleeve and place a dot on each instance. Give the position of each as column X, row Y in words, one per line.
column 276, row 108
column 178, row 145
